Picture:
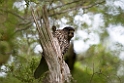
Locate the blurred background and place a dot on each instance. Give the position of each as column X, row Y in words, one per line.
column 96, row 54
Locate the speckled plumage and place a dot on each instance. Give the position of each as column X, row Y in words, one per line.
column 64, row 36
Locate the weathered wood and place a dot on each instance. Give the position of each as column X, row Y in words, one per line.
column 59, row 71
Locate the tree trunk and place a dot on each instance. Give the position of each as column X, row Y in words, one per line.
column 59, row 71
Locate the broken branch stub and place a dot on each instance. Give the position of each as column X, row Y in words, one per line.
column 58, row 70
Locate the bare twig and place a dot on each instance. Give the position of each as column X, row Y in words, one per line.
column 65, row 5
column 24, row 28
column 92, row 5
column 75, row 8
column 92, row 74
column 13, row 13
column 106, row 76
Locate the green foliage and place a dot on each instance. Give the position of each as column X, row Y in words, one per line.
column 98, row 66
column 18, row 39
column 9, row 80
column 21, row 70
column 4, row 48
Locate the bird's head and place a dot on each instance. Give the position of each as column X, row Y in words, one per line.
column 70, row 31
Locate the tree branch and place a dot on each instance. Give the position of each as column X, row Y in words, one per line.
column 58, row 70
column 13, row 13
column 64, row 5
column 24, row 28
column 92, row 5
column 75, row 8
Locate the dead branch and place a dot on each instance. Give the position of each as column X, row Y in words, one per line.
column 58, row 70
column 75, row 8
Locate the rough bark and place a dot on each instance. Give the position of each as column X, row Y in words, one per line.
column 59, row 71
